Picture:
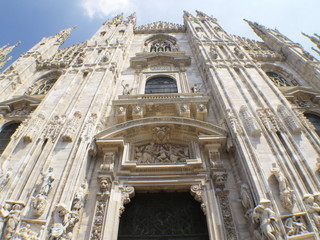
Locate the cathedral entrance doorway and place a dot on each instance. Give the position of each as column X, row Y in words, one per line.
column 163, row 216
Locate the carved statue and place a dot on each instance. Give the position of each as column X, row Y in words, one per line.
column 313, row 208
column 246, row 198
column 80, row 196
column 63, row 230
column 38, row 204
column 47, row 179
column 126, row 90
column 267, row 222
column 12, row 221
column 195, row 88
column 4, row 213
column 286, row 194
column 294, row 226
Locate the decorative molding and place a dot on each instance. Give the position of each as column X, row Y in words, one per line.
column 127, row 192
column 197, row 191
column 160, row 27
column 249, row 122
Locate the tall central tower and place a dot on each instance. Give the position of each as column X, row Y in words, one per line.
column 162, row 131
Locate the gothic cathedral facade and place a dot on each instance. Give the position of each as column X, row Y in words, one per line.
column 162, row 131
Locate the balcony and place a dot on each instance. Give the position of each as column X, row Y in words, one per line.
column 187, row 105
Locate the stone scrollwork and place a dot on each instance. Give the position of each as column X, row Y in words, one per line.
column 161, row 153
column 197, row 191
column 161, row 134
column 287, row 197
column 127, row 192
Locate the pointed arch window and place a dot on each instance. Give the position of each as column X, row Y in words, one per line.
column 161, row 85
column 278, row 80
column 6, row 133
column 161, row 46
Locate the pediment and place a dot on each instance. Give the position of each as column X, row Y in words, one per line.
column 291, row 92
column 19, row 102
column 183, row 129
column 145, row 59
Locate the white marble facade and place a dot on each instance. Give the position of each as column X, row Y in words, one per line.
column 233, row 133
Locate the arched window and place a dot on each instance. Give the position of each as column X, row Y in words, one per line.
column 161, row 85
column 6, row 134
column 278, row 80
column 44, row 84
column 315, row 120
column 160, row 46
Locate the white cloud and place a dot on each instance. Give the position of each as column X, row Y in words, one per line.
column 103, row 8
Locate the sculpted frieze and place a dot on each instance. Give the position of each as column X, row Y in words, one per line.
column 161, row 153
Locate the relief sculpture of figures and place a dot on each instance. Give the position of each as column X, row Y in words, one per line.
column 267, row 221
column 295, row 226
column 4, row 213
column 12, row 221
column 313, row 209
column 286, row 194
column 161, row 153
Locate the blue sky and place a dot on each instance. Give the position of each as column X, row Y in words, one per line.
column 30, row 20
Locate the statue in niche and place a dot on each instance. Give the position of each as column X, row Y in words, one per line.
column 126, row 89
column 4, row 213
column 286, row 194
column 161, row 153
column 246, row 199
column 294, row 226
column 213, row 52
column 267, row 221
column 47, row 180
column 80, row 196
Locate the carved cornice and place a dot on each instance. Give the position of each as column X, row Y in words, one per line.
column 144, row 59
column 160, row 27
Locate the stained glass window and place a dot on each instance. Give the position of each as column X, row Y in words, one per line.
column 161, row 85
column 278, row 80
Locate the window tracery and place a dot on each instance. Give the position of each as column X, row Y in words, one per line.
column 43, row 85
column 278, row 80
column 160, row 46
